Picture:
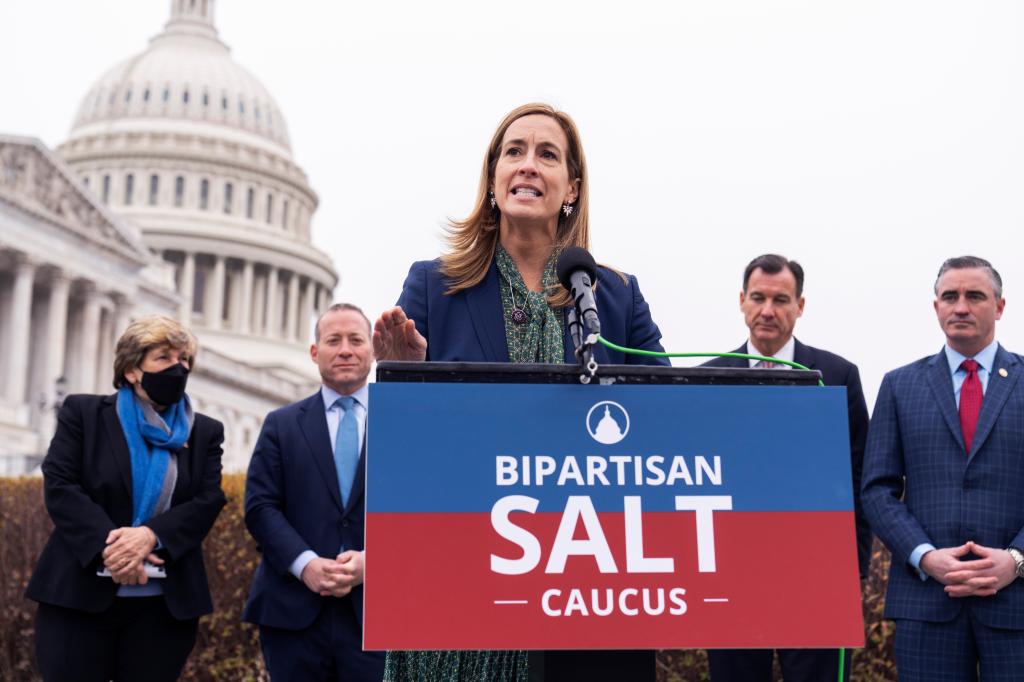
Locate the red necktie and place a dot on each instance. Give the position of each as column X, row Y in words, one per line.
column 970, row 402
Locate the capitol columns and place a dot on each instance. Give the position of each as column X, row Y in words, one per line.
column 89, row 344
column 186, row 288
column 215, row 303
column 122, row 315
column 53, row 355
column 56, row 329
column 272, row 316
column 318, row 300
column 307, row 302
column 20, row 319
column 291, row 329
column 245, row 317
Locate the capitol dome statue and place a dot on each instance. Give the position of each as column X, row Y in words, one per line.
column 187, row 145
column 175, row 193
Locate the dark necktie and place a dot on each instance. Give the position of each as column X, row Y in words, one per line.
column 970, row 402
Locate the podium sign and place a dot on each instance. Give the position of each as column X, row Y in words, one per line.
column 511, row 516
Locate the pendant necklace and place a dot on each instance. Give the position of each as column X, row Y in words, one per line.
column 519, row 313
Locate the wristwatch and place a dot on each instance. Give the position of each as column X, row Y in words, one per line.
column 1018, row 556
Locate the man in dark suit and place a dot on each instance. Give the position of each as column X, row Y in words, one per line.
column 943, row 482
column 771, row 301
column 304, row 506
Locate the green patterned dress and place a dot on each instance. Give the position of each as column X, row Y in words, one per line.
column 538, row 338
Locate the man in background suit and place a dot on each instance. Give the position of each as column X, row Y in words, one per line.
column 771, row 301
column 304, row 506
column 944, row 490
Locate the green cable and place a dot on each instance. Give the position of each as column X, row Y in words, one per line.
column 660, row 354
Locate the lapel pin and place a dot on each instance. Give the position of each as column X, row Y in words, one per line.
column 1003, row 373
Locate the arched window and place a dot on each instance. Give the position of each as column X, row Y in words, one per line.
column 204, row 194
column 284, row 214
column 106, row 189
column 167, row 93
column 129, row 189
column 184, row 96
column 145, row 95
column 179, row 191
column 250, row 203
column 154, row 188
column 270, row 208
column 224, row 102
column 229, row 190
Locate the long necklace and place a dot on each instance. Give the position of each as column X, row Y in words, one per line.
column 519, row 313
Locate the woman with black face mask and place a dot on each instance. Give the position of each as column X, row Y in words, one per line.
column 132, row 484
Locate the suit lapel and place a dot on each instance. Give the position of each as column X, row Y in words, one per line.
column 941, row 383
column 118, row 444
column 313, row 426
column 359, row 483
column 996, row 394
column 183, row 460
column 488, row 317
column 737, row 362
column 803, row 354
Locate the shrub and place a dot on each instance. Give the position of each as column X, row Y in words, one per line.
column 228, row 649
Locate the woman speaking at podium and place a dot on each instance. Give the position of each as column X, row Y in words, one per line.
column 495, row 297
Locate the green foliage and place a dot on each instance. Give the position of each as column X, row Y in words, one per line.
column 228, row 649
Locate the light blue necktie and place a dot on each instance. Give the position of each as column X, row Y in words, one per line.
column 346, row 447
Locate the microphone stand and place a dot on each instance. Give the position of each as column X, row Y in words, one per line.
column 583, row 346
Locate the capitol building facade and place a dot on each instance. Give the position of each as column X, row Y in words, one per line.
column 175, row 193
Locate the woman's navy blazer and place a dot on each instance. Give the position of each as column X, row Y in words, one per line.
column 470, row 326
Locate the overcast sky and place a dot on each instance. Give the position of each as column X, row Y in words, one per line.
column 868, row 140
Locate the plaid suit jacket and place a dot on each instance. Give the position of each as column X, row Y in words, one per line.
column 921, row 486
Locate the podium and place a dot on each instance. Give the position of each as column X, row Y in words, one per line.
column 598, row 665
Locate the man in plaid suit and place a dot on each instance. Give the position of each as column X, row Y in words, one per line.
column 943, row 488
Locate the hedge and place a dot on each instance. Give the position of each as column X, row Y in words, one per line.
column 228, row 649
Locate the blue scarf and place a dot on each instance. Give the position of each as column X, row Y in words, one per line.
column 150, row 447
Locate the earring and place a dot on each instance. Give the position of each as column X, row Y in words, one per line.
column 493, row 201
column 567, row 209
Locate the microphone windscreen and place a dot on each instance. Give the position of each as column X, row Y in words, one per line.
column 572, row 259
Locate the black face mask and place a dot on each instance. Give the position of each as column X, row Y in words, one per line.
column 167, row 387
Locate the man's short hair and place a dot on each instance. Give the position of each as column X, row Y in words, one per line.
column 771, row 264
column 961, row 262
column 338, row 307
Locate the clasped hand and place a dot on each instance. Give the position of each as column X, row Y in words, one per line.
column 127, row 548
column 334, row 577
column 982, row 577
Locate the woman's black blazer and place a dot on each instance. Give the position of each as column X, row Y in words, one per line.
column 88, row 482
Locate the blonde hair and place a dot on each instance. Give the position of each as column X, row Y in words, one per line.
column 472, row 241
column 150, row 332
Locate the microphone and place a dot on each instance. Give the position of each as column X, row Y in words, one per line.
column 577, row 272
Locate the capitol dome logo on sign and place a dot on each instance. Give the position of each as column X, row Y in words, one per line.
column 607, row 422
